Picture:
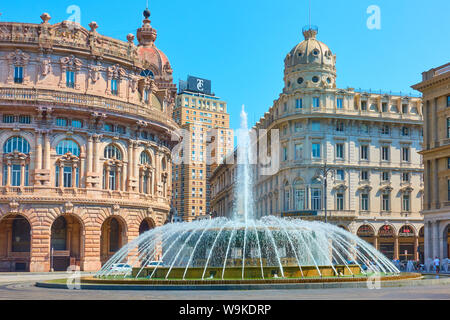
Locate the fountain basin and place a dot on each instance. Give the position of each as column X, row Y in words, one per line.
column 250, row 272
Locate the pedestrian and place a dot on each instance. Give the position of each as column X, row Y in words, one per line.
column 437, row 264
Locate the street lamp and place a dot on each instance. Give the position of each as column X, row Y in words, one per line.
column 323, row 173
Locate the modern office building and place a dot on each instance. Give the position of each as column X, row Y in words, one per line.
column 86, row 138
column 435, row 87
column 367, row 141
column 207, row 139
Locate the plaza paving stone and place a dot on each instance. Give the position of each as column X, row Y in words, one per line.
column 22, row 287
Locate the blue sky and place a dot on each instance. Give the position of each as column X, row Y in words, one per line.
column 241, row 45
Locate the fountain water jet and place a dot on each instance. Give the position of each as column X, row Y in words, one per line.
column 246, row 248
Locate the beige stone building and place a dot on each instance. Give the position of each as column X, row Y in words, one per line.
column 368, row 141
column 435, row 87
column 85, row 137
column 207, row 139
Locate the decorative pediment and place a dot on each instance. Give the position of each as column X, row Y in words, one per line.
column 386, row 189
column 113, row 162
column 340, row 187
column 365, row 188
column 71, row 63
column 68, row 157
column 18, row 58
column 407, row 189
column 16, row 155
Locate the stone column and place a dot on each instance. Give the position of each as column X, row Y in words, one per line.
column 375, row 242
column 107, row 178
column 22, row 174
column 436, row 184
column 89, row 155
column 428, row 251
column 416, row 246
column 61, row 176
column 74, row 175
column 38, row 159
column 435, row 239
column 395, row 247
column 9, row 170
column 47, row 151
column 96, row 154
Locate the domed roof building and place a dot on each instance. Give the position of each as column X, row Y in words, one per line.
column 366, row 141
column 85, row 145
column 310, row 64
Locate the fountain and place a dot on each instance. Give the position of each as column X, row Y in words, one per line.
column 270, row 249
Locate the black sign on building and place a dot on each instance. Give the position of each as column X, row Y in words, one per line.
column 199, row 85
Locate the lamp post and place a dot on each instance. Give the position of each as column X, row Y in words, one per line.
column 323, row 172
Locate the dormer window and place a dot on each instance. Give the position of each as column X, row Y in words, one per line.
column 315, row 52
column 70, row 79
column 18, row 74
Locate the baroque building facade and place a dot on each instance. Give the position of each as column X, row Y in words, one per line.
column 86, row 136
column 435, row 87
column 367, row 143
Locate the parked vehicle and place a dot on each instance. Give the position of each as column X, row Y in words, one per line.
column 121, row 268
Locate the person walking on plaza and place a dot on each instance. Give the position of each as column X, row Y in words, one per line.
column 437, row 264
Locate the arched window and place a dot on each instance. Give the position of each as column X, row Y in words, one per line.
column 112, row 152
column 16, row 162
column 67, row 173
column 20, row 235
column 18, row 144
column 147, row 73
column 66, row 146
column 145, row 173
column 59, row 234
column 112, row 171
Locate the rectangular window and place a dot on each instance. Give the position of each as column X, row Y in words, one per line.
column 340, row 201
column 315, row 126
column 15, row 175
column 77, row 124
column 340, row 151
column 108, row 127
column 363, row 105
column 70, row 79
column 18, row 74
column 405, row 131
column 405, row 176
column 365, row 175
column 405, row 154
column 404, row 108
column 339, row 103
column 285, row 153
column 193, row 211
column 340, row 175
column 385, row 202
column 316, row 199
column 340, row 126
column 384, row 107
column 25, row 119
column 385, row 130
column 364, row 202
column 298, row 151
column 285, row 106
column 385, row 153
column 385, row 176
column 8, row 118
column 448, row 127
column 121, row 129
column 61, row 122
column 365, row 152
column 298, row 103
column 448, row 101
column 193, row 192
column 316, row 102
column 193, row 173
column 67, row 177
column 316, row 150
column 298, row 126
column 114, row 89
column 406, row 202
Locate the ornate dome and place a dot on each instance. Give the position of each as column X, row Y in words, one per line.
column 310, row 63
column 147, row 51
